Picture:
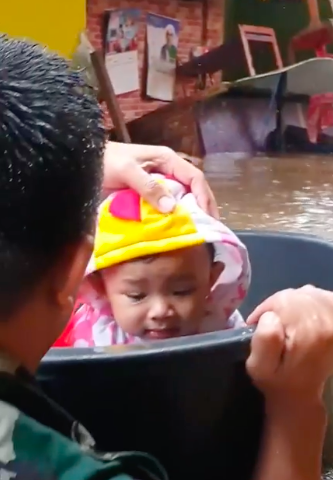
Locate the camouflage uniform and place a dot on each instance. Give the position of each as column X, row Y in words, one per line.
column 40, row 441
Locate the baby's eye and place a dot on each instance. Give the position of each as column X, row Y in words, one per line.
column 136, row 297
column 183, row 292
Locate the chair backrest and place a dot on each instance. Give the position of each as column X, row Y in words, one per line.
column 250, row 33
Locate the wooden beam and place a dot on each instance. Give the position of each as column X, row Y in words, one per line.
column 313, row 11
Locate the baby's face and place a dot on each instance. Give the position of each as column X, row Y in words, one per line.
column 162, row 296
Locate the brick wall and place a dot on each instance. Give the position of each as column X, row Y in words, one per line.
column 190, row 15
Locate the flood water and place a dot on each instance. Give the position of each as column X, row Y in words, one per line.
column 285, row 193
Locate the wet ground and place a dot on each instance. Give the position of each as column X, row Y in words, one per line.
column 286, row 193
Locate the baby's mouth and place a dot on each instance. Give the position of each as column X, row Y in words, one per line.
column 162, row 334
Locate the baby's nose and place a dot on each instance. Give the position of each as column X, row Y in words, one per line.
column 160, row 308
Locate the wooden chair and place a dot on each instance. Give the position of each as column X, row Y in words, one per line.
column 250, row 33
column 314, row 37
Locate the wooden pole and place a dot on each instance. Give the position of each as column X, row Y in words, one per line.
column 107, row 92
column 109, row 97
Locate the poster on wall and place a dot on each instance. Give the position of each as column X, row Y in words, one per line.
column 121, row 49
column 162, row 46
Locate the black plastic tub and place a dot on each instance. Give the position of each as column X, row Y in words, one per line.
column 187, row 401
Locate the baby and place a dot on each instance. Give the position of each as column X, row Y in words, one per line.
column 154, row 276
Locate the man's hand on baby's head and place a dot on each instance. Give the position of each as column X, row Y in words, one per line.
column 292, row 348
column 128, row 166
